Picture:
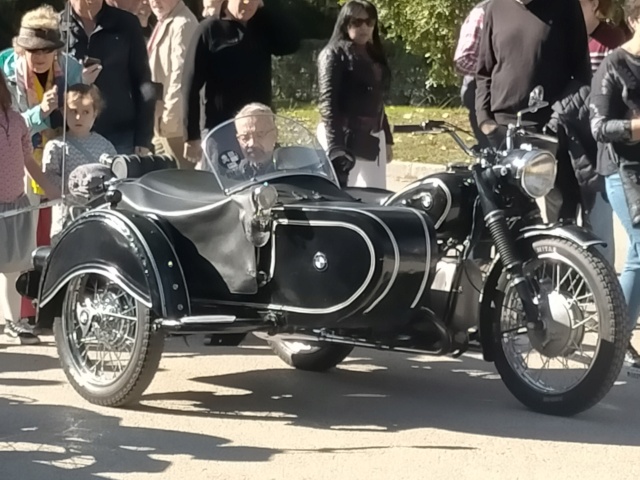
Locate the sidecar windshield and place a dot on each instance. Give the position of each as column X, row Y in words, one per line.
column 259, row 147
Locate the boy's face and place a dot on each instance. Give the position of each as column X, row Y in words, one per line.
column 81, row 114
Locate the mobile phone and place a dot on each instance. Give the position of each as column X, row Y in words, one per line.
column 91, row 61
column 158, row 90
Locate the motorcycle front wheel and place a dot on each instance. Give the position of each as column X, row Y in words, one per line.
column 106, row 342
column 571, row 364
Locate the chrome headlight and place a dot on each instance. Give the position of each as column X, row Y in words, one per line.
column 535, row 170
column 265, row 197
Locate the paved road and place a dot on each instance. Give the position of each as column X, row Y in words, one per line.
column 239, row 413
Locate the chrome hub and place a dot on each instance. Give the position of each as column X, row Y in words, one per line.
column 558, row 337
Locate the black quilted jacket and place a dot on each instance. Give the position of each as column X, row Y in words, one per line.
column 570, row 121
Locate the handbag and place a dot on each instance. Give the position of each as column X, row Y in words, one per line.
column 630, row 177
column 360, row 143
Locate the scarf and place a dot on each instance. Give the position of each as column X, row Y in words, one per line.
column 33, row 90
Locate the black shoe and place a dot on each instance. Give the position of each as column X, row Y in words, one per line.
column 20, row 332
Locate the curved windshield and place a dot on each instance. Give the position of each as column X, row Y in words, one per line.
column 259, row 147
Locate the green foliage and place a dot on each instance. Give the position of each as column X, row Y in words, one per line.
column 429, row 29
column 295, row 77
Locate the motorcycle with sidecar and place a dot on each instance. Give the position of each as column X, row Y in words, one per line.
column 283, row 252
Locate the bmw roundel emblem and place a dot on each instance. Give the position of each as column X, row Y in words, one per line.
column 320, row 262
column 426, row 200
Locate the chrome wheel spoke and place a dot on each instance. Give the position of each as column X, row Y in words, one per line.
column 557, row 359
column 101, row 328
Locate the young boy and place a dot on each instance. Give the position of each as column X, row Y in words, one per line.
column 82, row 146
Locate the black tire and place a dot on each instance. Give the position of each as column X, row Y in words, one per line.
column 135, row 377
column 614, row 335
column 325, row 357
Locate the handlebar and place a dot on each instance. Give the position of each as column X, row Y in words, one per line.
column 423, row 127
column 437, row 126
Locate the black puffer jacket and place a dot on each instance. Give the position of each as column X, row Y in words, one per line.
column 348, row 89
column 570, row 121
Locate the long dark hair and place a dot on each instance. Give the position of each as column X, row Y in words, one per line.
column 341, row 28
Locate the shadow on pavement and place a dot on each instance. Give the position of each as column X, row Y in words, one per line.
column 26, row 362
column 393, row 392
column 49, row 441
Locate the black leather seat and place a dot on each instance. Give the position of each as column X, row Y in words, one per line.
column 371, row 195
column 172, row 192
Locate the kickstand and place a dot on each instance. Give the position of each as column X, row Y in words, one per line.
column 186, row 342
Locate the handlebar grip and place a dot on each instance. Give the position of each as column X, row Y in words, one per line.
column 422, row 127
column 408, row 128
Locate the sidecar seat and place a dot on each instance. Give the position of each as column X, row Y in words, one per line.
column 135, row 166
column 370, row 195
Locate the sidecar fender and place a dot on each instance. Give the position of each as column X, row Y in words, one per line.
column 131, row 250
column 488, row 314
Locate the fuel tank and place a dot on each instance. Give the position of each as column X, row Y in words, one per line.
column 447, row 197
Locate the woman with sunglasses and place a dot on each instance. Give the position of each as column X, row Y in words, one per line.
column 36, row 71
column 353, row 76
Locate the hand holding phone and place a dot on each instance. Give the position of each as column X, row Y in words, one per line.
column 91, row 61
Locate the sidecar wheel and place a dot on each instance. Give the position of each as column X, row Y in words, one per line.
column 310, row 356
column 588, row 331
column 107, row 346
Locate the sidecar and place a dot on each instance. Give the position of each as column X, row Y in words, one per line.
column 259, row 239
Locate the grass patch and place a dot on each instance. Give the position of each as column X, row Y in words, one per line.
column 408, row 147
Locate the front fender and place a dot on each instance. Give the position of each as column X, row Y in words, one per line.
column 129, row 249
column 581, row 236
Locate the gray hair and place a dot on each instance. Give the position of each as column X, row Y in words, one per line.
column 253, row 108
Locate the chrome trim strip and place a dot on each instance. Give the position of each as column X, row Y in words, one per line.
column 335, row 308
column 423, row 285
column 394, row 243
column 177, row 213
column 109, row 272
column 208, row 319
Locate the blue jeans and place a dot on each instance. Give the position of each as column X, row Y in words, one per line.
column 601, row 223
column 630, row 276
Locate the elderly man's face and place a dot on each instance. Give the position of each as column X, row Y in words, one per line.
column 257, row 135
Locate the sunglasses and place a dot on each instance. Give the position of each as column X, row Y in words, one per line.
column 358, row 22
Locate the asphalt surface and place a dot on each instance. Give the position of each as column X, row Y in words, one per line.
column 240, row 413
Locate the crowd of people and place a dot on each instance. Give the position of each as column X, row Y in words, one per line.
column 133, row 77
column 589, row 69
column 138, row 76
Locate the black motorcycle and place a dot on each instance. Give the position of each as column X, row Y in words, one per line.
column 316, row 270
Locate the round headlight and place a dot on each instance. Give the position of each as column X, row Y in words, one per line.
column 265, row 196
column 535, row 170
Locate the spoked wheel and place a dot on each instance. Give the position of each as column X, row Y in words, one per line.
column 105, row 341
column 572, row 363
column 310, row 356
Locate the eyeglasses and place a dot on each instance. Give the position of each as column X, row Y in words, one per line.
column 259, row 135
column 358, row 22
